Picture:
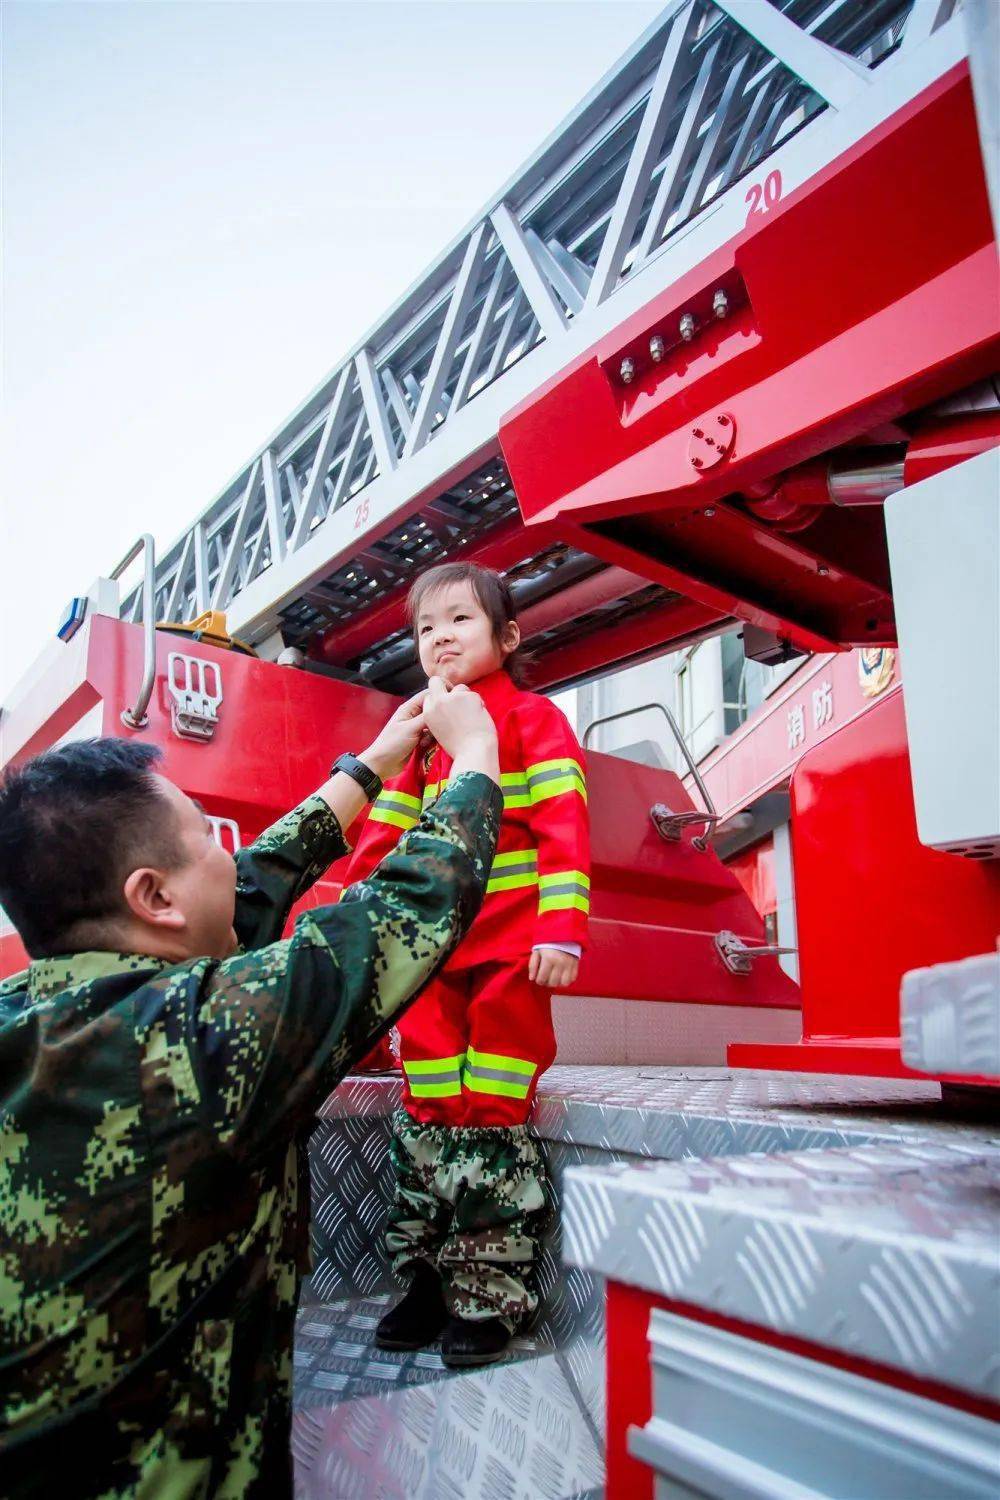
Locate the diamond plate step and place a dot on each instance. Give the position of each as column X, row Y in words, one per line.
column 371, row 1422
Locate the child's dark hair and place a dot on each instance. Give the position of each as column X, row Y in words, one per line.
column 492, row 592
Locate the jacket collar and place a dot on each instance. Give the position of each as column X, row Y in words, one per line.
column 48, row 976
column 496, row 690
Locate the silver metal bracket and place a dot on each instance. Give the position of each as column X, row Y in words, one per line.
column 196, row 689
column 670, row 825
column 738, row 956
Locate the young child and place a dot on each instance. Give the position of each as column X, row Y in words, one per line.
column 470, row 1177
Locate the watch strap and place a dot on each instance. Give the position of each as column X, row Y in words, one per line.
column 349, row 764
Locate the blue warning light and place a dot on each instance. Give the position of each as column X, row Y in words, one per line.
column 72, row 618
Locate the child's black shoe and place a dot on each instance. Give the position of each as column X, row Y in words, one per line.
column 465, row 1342
column 418, row 1317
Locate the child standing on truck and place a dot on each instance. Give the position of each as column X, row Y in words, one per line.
column 470, row 1177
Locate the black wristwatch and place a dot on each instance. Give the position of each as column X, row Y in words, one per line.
column 369, row 783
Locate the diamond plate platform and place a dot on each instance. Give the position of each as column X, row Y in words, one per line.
column 890, row 1253
column 371, row 1423
column 589, row 1116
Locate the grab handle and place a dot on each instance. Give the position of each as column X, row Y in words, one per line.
column 136, row 717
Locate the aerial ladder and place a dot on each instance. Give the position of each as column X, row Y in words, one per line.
column 723, row 352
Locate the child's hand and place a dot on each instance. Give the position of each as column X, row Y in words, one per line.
column 552, row 969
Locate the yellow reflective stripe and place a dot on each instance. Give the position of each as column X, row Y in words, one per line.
column 515, row 857
column 563, row 903
column 405, row 800
column 513, row 870
column 433, row 790
column 510, row 883
column 553, row 778
column 448, row 1090
column 433, row 1064
column 495, row 1073
column 566, row 890
column 435, row 1077
column 495, row 1086
column 514, row 785
column 542, row 766
column 498, row 1060
column 543, row 791
column 397, row 819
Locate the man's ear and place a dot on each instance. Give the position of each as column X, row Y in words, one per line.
column 147, row 897
column 511, row 638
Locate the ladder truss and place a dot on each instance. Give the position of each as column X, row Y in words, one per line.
column 393, row 462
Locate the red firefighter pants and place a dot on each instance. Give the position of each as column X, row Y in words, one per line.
column 474, row 1046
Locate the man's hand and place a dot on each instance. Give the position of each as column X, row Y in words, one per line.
column 458, row 720
column 390, row 750
column 552, row 969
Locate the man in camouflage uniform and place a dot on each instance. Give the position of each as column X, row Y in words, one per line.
column 154, row 1102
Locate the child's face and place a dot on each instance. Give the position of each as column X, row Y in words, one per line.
column 455, row 637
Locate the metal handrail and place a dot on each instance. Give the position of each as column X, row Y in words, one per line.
column 136, row 717
column 709, row 817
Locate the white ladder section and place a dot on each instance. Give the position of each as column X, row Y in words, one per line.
column 393, row 461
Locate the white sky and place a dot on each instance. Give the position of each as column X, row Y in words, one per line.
column 204, row 205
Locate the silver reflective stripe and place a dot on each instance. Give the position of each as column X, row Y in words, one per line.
column 386, row 799
column 499, row 872
column 498, row 1075
column 450, row 1075
column 570, row 888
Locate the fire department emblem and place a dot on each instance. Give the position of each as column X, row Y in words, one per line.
column 876, row 669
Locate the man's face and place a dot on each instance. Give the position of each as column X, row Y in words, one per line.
column 203, row 886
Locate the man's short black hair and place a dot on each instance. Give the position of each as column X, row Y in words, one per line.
column 74, row 823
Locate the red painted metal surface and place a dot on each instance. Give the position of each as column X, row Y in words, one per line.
column 950, row 441
column 871, row 901
column 656, row 905
column 802, row 365
column 629, row 1383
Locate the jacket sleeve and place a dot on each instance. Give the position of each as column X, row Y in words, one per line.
column 270, row 1033
column 280, row 866
column 554, row 766
column 394, row 812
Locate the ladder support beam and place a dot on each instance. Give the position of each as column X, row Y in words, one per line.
column 543, row 300
column 378, row 417
column 834, row 76
column 230, row 563
column 451, row 331
column 273, row 506
column 324, row 453
column 671, row 75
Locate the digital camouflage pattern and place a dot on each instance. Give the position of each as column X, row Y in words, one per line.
column 153, row 1191
column 471, row 1200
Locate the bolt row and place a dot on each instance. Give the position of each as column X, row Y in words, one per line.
column 687, row 327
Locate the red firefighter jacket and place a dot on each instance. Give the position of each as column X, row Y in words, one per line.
column 539, row 887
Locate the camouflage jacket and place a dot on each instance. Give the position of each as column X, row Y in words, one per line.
column 152, row 1190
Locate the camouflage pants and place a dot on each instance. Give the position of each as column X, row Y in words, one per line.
column 470, row 1200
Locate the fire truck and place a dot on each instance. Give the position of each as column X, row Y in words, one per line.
column 723, row 354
